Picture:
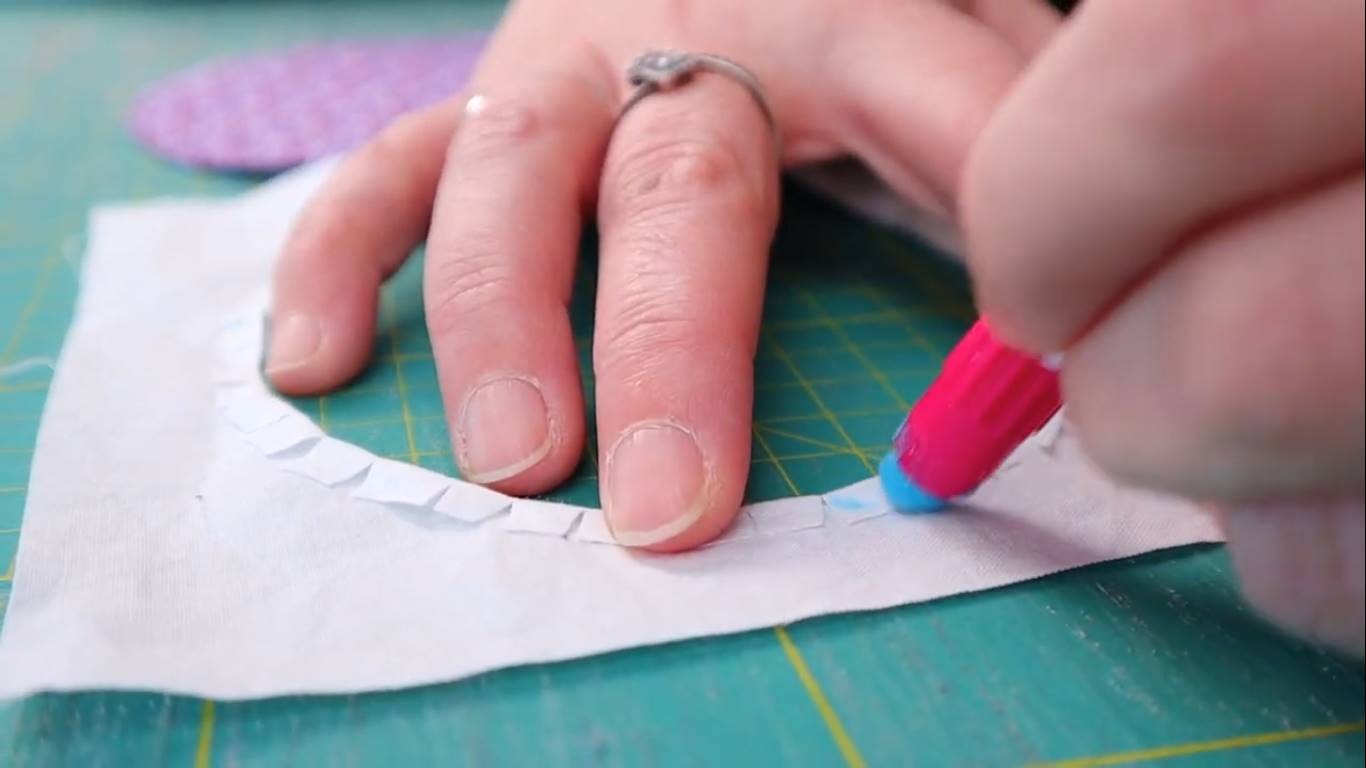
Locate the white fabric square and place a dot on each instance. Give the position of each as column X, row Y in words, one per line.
column 132, row 574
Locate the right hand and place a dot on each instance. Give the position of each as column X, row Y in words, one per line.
column 1173, row 193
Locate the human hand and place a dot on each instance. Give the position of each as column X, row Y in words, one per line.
column 686, row 195
column 1173, row 193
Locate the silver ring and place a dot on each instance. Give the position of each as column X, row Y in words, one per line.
column 663, row 70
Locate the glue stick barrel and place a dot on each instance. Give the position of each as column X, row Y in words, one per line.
column 987, row 400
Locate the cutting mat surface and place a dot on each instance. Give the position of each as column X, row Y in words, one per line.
column 1144, row 659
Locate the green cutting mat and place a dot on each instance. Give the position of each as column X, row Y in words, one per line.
column 1144, row 659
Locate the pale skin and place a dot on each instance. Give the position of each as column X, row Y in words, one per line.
column 1169, row 191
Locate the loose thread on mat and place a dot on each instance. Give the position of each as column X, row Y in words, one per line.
column 27, row 364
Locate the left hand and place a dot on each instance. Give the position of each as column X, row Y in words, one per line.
column 685, row 188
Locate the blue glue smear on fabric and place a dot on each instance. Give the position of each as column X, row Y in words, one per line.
column 848, row 503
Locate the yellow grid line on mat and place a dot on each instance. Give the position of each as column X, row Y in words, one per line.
column 21, row 326
column 854, row 349
column 402, row 383
column 811, row 392
column 848, row 749
column 203, row 748
column 1202, row 747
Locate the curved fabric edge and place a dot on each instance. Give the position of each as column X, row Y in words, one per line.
column 289, row 438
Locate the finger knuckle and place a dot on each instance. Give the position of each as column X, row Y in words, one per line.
column 465, row 286
column 658, row 178
column 648, row 324
column 492, row 126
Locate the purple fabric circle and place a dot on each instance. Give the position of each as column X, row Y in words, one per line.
column 270, row 112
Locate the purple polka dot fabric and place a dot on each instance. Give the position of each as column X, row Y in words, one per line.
column 274, row 111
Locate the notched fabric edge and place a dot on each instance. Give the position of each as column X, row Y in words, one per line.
column 292, row 440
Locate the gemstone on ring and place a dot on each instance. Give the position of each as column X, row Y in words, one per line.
column 660, row 70
column 663, row 69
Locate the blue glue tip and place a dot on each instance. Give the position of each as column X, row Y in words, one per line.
column 904, row 494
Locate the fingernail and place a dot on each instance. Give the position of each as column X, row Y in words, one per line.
column 504, row 430
column 293, row 343
column 656, row 484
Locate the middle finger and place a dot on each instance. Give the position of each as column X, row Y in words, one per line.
column 688, row 207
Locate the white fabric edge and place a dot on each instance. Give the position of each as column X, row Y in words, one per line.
column 290, row 438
